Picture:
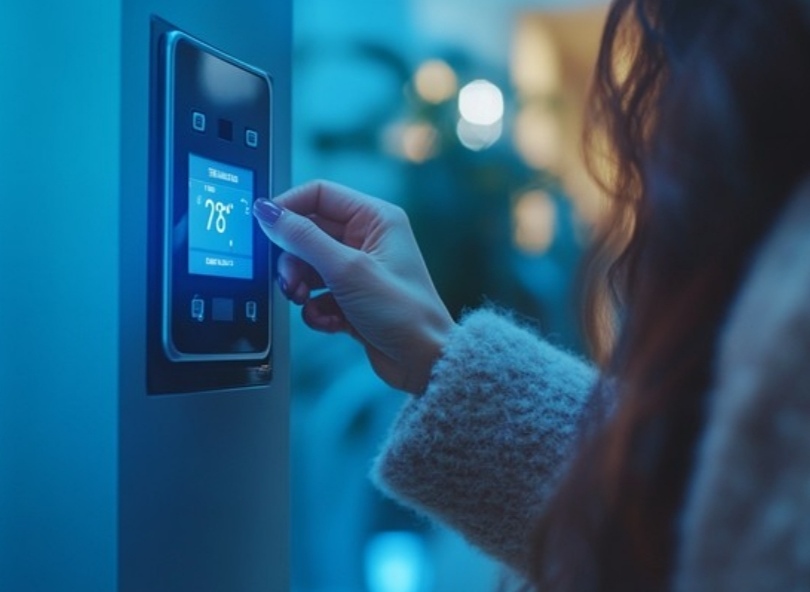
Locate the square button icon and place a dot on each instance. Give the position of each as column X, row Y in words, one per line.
column 198, row 309
column 250, row 310
column 198, row 121
column 222, row 309
column 251, row 138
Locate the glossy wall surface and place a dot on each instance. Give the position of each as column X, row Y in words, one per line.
column 103, row 487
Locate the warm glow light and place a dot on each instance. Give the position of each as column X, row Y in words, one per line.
column 535, row 216
column 435, row 81
column 415, row 142
column 418, row 142
column 480, row 102
column 537, row 137
column 477, row 137
column 535, row 59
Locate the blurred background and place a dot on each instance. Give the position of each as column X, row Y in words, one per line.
column 468, row 114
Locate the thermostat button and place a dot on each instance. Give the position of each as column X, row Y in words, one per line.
column 250, row 310
column 198, row 309
column 251, row 138
column 198, row 121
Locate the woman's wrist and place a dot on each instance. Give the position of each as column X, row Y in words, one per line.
column 435, row 339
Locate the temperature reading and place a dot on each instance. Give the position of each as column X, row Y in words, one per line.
column 217, row 215
column 220, row 218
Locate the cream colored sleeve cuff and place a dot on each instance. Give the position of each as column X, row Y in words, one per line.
column 481, row 449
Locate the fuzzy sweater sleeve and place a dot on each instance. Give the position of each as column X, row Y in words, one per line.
column 481, row 449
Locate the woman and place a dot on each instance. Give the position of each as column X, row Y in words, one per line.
column 684, row 463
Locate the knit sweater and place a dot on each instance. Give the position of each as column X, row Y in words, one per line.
column 484, row 447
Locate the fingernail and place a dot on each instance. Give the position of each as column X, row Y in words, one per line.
column 266, row 211
column 282, row 283
column 301, row 294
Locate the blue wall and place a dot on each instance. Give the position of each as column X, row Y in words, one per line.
column 59, row 92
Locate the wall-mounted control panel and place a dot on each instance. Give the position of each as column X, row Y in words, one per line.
column 213, row 159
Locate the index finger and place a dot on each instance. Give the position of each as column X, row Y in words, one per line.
column 328, row 200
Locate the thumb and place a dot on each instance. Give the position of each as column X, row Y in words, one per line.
column 299, row 236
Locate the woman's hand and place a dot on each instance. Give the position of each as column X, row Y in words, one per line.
column 352, row 262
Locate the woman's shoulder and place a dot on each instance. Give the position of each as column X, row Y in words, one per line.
column 764, row 350
column 746, row 522
column 771, row 316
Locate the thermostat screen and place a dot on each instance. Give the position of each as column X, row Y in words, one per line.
column 220, row 219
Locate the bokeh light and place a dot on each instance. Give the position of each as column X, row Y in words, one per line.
column 481, row 103
column 535, row 63
column 478, row 137
column 397, row 562
column 537, row 136
column 415, row 142
column 535, row 217
column 435, row 81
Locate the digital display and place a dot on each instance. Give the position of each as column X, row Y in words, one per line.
column 220, row 219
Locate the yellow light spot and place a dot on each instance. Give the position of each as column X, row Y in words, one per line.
column 435, row 81
column 415, row 142
column 535, row 59
column 534, row 216
column 537, row 137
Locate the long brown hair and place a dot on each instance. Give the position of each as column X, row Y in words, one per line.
column 700, row 107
